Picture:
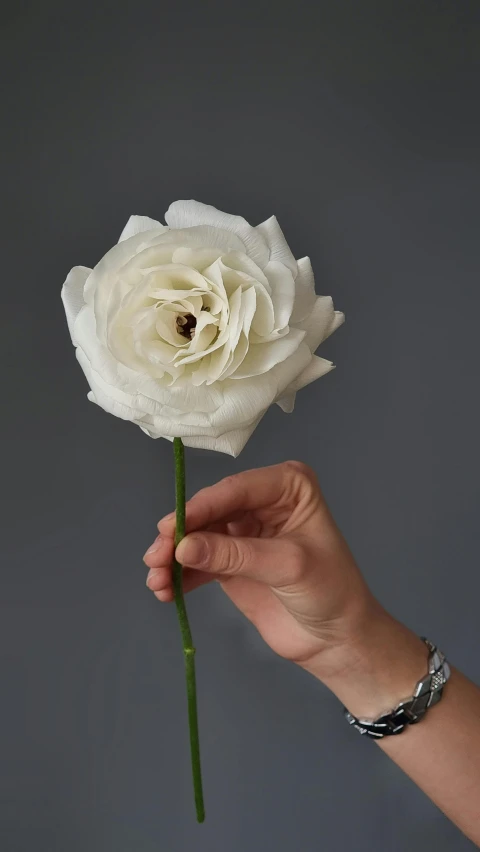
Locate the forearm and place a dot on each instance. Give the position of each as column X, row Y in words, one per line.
column 442, row 752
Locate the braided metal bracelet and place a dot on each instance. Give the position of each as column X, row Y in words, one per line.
column 428, row 692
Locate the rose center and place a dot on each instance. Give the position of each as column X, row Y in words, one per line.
column 185, row 325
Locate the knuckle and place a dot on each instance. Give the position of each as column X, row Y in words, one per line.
column 239, row 557
column 233, row 489
column 200, row 493
column 304, row 476
column 299, row 467
column 232, row 484
column 203, row 549
column 229, row 480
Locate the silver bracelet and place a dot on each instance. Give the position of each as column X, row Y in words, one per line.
column 428, row 692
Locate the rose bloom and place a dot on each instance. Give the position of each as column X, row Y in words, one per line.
column 192, row 330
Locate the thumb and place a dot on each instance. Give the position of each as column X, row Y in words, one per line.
column 276, row 562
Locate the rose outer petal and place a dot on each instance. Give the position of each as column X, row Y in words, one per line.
column 72, row 294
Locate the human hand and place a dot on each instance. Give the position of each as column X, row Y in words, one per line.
column 267, row 536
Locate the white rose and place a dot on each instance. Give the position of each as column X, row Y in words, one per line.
column 195, row 329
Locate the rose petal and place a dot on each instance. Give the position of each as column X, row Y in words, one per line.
column 222, row 357
column 279, row 248
column 138, row 224
column 337, row 321
column 197, row 257
column 318, row 323
column 287, row 402
column 240, row 341
column 100, row 284
column 283, row 292
column 187, row 214
column 316, row 368
column 231, row 443
column 264, row 356
column 243, row 263
column 304, row 291
column 72, row 294
column 204, row 236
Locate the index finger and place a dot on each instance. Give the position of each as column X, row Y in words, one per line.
column 231, row 497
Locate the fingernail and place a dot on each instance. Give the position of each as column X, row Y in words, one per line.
column 192, row 551
column 150, row 576
column 155, row 546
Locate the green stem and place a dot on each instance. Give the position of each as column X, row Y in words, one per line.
column 188, row 649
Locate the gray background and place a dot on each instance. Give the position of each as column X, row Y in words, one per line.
column 357, row 125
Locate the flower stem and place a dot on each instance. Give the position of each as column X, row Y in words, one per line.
column 188, row 649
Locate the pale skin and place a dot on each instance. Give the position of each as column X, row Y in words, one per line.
column 267, row 536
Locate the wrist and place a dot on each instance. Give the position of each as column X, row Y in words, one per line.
column 376, row 668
